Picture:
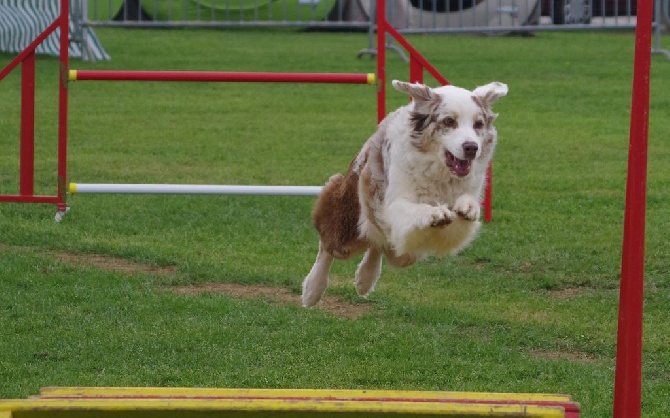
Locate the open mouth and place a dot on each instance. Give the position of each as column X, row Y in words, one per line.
column 460, row 167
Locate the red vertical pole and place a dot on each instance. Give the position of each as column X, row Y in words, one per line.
column 27, row 147
column 488, row 193
column 628, row 374
column 62, row 103
column 381, row 60
column 415, row 70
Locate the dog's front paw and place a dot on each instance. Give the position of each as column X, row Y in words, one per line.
column 441, row 216
column 467, row 207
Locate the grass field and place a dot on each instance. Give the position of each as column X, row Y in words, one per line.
column 203, row 291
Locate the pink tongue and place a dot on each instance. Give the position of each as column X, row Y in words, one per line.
column 460, row 167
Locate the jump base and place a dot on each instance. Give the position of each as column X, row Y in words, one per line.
column 268, row 403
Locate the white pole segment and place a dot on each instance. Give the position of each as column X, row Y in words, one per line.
column 194, row 189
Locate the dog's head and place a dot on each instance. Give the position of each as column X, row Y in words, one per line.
column 454, row 123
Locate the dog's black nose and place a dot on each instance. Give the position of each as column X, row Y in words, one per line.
column 470, row 150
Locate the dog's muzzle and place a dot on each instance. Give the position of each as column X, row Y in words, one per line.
column 462, row 167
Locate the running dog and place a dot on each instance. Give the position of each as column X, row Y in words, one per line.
column 415, row 188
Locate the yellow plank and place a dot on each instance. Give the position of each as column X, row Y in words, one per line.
column 299, row 393
column 274, row 408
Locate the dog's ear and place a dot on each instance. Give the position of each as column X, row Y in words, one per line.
column 490, row 93
column 419, row 92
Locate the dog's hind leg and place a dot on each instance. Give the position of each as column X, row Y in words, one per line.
column 368, row 271
column 316, row 282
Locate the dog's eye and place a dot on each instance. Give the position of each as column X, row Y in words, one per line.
column 449, row 122
column 479, row 124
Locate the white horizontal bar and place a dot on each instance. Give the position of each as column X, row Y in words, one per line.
column 194, row 189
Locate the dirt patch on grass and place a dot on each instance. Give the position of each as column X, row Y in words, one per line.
column 330, row 304
column 576, row 356
column 103, row 262
column 115, row 264
column 568, row 293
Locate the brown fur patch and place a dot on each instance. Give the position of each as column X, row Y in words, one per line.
column 484, row 104
column 400, row 261
column 420, row 122
column 423, row 139
column 424, row 121
column 336, row 215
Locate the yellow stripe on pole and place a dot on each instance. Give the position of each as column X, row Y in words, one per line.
column 73, row 188
column 372, row 78
column 72, row 75
column 326, row 394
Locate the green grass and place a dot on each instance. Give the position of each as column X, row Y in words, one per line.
column 531, row 306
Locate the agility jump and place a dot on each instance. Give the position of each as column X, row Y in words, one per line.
column 209, row 76
column 417, row 66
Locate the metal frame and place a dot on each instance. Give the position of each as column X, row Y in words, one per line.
column 628, row 374
column 623, row 20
